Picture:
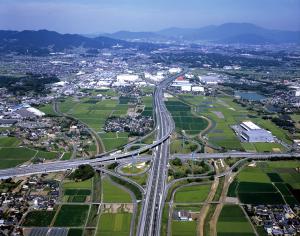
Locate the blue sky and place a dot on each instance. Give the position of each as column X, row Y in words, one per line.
column 89, row 16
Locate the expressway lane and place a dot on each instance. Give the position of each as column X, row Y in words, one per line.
column 149, row 222
column 57, row 166
column 255, row 155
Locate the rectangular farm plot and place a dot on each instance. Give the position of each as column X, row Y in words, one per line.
column 76, row 195
column 114, row 224
column 261, row 198
column 47, row 155
column 180, row 228
column 196, row 193
column 253, row 174
column 268, row 147
column 38, row 218
column 11, row 157
column 93, row 113
column 77, row 191
column 113, row 193
column 287, row 194
column 86, row 184
column 274, row 177
column 148, row 109
column 249, row 147
column 77, row 198
column 283, row 189
column 245, row 187
column 258, row 193
column 292, row 178
column 71, row 215
column 113, row 140
column 282, row 164
column 9, row 142
column 232, row 221
column 287, row 171
column 74, row 192
column 268, row 182
column 184, row 119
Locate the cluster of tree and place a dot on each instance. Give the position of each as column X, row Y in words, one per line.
column 283, row 121
column 194, row 167
column 65, row 123
column 83, row 172
column 177, row 174
column 202, row 164
column 193, row 147
column 176, row 162
column 9, row 184
column 262, row 88
column 30, row 83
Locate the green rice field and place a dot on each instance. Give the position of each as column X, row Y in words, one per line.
column 112, row 193
column 113, row 141
column 92, row 114
column 232, row 221
column 38, row 218
column 192, row 194
column 47, row 155
column 11, row 157
column 9, row 142
column 71, row 215
column 268, row 182
column 114, row 224
column 86, row 184
column 180, row 228
column 184, row 119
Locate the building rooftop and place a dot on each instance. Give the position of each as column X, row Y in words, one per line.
column 250, row 125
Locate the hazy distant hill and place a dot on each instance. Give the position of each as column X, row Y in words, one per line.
column 234, row 33
column 44, row 41
column 227, row 33
column 128, row 35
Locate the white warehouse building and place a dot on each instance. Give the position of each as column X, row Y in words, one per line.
column 198, row 89
column 174, row 70
column 252, row 133
column 123, row 78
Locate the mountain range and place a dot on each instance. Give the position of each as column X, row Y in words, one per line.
column 44, row 41
column 229, row 33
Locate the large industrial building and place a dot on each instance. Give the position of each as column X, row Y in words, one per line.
column 186, row 86
column 252, row 133
column 210, row 79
